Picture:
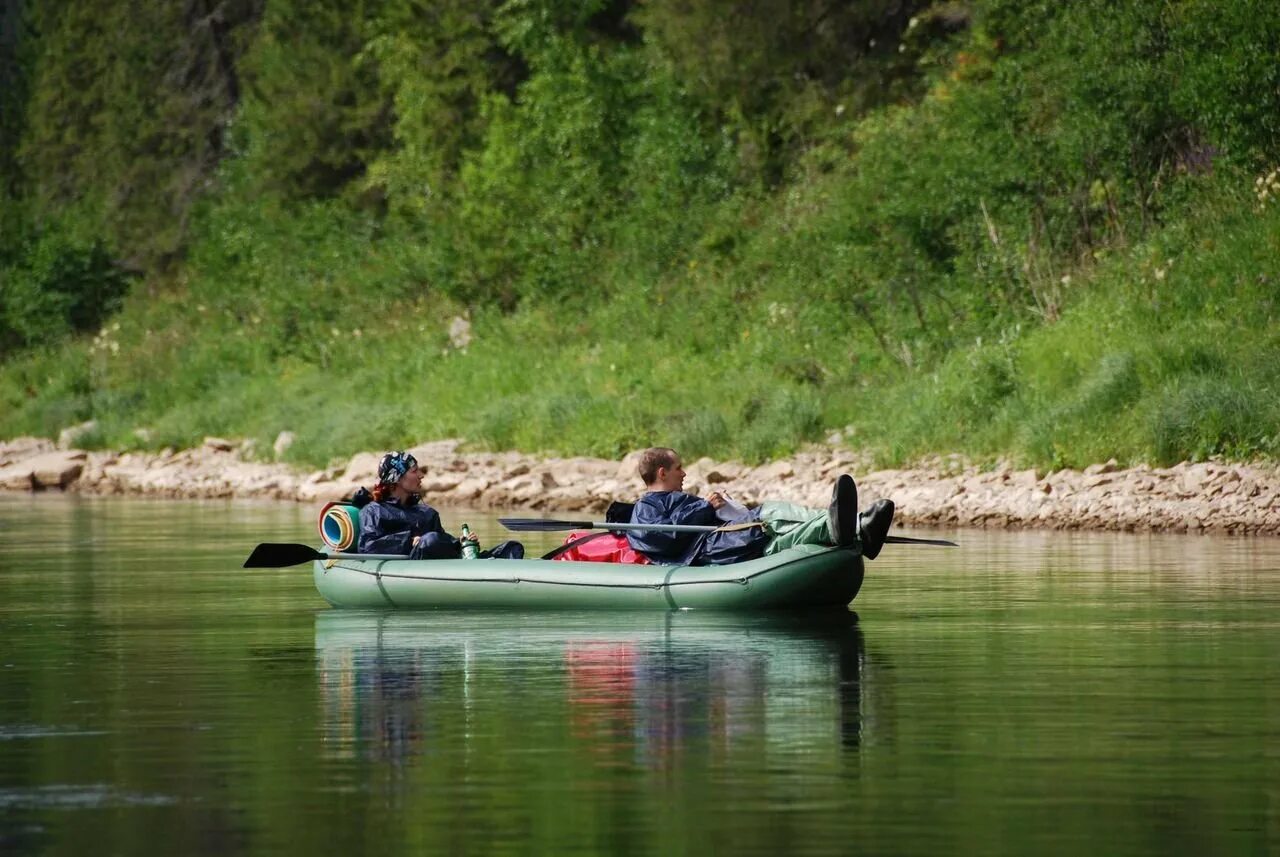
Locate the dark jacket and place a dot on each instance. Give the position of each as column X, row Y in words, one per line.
column 389, row 527
column 676, row 507
column 669, row 507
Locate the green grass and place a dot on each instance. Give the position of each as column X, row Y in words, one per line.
column 1139, row 368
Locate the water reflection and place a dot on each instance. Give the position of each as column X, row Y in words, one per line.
column 628, row 689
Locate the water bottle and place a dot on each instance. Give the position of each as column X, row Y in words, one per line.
column 469, row 548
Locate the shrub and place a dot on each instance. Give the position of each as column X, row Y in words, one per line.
column 1204, row 417
column 55, row 287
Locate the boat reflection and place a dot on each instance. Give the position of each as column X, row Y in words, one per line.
column 646, row 689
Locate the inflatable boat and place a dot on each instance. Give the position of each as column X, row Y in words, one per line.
column 802, row 577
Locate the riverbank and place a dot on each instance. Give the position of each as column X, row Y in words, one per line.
column 1189, row 497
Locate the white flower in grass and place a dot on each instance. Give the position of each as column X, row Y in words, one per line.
column 459, row 333
column 1267, row 188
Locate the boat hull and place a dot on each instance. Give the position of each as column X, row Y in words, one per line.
column 802, row 577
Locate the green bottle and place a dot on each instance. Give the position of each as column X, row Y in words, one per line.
column 469, row 548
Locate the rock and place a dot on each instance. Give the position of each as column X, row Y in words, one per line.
column 284, row 440
column 459, row 332
column 1200, row 497
column 22, row 447
column 778, row 470
column 218, row 444
column 696, row 474
column 436, row 454
column 725, row 471
column 48, row 470
column 470, row 489
column 324, row 491
column 362, row 468
column 525, row 488
column 439, row 483
column 628, row 467
column 609, row 490
column 15, row 477
column 1023, row 479
column 69, row 437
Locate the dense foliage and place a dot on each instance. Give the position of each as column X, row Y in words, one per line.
column 1003, row 227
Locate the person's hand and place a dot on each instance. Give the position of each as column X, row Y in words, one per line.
column 470, row 537
column 716, row 499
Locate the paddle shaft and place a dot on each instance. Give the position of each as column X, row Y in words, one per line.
column 546, row 525
column 668, row 528
column 907, row 540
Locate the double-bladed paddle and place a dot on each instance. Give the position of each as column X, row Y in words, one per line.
column 545, row 525
column 276, row 555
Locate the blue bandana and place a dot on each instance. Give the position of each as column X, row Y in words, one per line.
column 395, row 465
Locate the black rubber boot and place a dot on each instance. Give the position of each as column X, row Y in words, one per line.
column 873, row 526
column 842, row 514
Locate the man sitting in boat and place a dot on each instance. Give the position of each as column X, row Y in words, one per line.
column 398, row 522
column 782, row 524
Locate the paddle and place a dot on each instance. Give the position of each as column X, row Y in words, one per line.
column 274, row 555
column 907, row 540
column 545, row 525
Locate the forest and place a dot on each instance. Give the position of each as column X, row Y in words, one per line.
column 1017, row 229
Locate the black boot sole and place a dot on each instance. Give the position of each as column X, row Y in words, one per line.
column 875, row 526
column 843, row 513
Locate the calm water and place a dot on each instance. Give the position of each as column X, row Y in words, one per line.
column 1026, row 693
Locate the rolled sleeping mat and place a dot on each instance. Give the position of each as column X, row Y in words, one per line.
column 340, row 526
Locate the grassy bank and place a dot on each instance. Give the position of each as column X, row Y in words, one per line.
column 1161, row 351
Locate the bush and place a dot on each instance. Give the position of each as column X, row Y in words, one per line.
column 777, row 423
column 1204, row 417
column 55, row 287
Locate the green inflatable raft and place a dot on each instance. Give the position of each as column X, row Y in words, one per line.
column 802, row 577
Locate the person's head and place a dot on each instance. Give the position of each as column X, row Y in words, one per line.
column 661, row 469
column 399, row 476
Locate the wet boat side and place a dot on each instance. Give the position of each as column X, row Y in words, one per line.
column 805, row 576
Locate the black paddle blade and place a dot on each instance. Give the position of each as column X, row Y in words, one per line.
column 907, row 540
column 541, row 525
column 272, row 555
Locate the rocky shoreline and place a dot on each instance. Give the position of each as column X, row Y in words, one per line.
column 1209, row 497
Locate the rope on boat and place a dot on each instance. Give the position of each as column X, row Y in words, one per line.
column 741, row 581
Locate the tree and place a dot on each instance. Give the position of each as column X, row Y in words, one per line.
column 126, row 116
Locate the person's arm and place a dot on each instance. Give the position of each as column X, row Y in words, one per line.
column 373, row 539
column 433, row 541
column 690, row 509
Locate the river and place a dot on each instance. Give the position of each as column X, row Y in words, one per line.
column 1028, row 692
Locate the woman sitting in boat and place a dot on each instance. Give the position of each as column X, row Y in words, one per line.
column 783, row 524
column 398, row 522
